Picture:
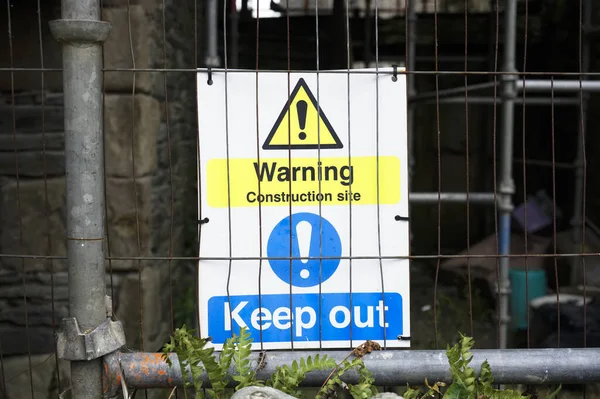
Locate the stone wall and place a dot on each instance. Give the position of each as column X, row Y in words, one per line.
column 150, row 152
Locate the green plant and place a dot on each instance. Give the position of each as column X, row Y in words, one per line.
column 465, row 384
column 288, row 378
column 195, row 358
column 362, row 390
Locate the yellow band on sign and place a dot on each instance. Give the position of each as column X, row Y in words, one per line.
column 330, row 181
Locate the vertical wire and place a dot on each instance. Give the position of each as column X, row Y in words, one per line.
column 524, row 145
column 377, row 169
column 494, row 134
column 106, row 227
column 583, row 158
column 582, row 126
column 467, row 169
column 319, row 162
column 554, row 213
column 134, row 178
column 349, row 165
column 199, row 176
column 439, row 167
column 260, row 240
column 172, row 219
column 410, row 147
column 14, row 134
column 108, row 247
column 46, row 203
column 230, row 230
column 289, row 57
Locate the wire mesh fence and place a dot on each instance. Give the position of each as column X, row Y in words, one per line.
column 101, row 164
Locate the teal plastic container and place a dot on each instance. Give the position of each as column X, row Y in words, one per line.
column 537, row 287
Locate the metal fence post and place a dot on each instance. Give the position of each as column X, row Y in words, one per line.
column 81, row 32
column 506, row 159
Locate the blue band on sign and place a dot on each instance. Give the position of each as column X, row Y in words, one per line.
column 304, row 235
column 280, row 323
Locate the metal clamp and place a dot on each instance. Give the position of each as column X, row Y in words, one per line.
column 72, row 344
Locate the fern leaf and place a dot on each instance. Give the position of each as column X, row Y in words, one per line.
column 287, row 379
column 457, row 391
column 243, row 348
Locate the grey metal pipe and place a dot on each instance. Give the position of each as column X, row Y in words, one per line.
column 455, row 91
column 212, row 34
column 489, row 100
column 390, row 368
column 545, row 164
column 81, row 32
column 506, row 158
column 474, row 198
column 577, row 219
column 546, row 86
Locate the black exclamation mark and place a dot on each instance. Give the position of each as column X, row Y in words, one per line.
column 301, row 107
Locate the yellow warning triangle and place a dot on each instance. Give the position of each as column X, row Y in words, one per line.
column 302, row 124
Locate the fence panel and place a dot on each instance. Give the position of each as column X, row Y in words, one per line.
column 110, row 237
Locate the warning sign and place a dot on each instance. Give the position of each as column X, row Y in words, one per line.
column 302, row 181
column 302, row 124
column 302, row 178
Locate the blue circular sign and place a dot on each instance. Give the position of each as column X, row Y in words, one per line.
column 309, row 235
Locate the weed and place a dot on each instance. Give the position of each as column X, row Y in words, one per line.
column 195, row 359
column 465, row 384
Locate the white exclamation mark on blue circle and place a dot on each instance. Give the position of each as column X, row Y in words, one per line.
column 304, row 234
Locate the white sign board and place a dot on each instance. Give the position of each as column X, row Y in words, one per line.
column 303, row 180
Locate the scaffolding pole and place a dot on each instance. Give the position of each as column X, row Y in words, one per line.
column 558, row 86
column 506, row 156
column 81, row 33
column 490, row 100
column 577, row 221
column 473, row 198
column 212, row 59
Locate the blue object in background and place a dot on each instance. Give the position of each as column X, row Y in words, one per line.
column 536, row 288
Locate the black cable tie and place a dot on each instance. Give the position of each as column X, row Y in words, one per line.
column 209, row 81
column 403, row 338
column 401, row 218
column 395, row 73
column 203, row 221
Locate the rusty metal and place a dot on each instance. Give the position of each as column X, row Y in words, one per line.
column 394, row 368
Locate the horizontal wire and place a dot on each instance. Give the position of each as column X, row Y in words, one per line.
column 391, row 257
column 334, row 71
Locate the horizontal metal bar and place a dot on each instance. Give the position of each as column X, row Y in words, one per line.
column 489, row 100
column 389, row 367
column 451, row 58
column 545, row 164
column 474, row 198
column 454, row 90
column 547, row 85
